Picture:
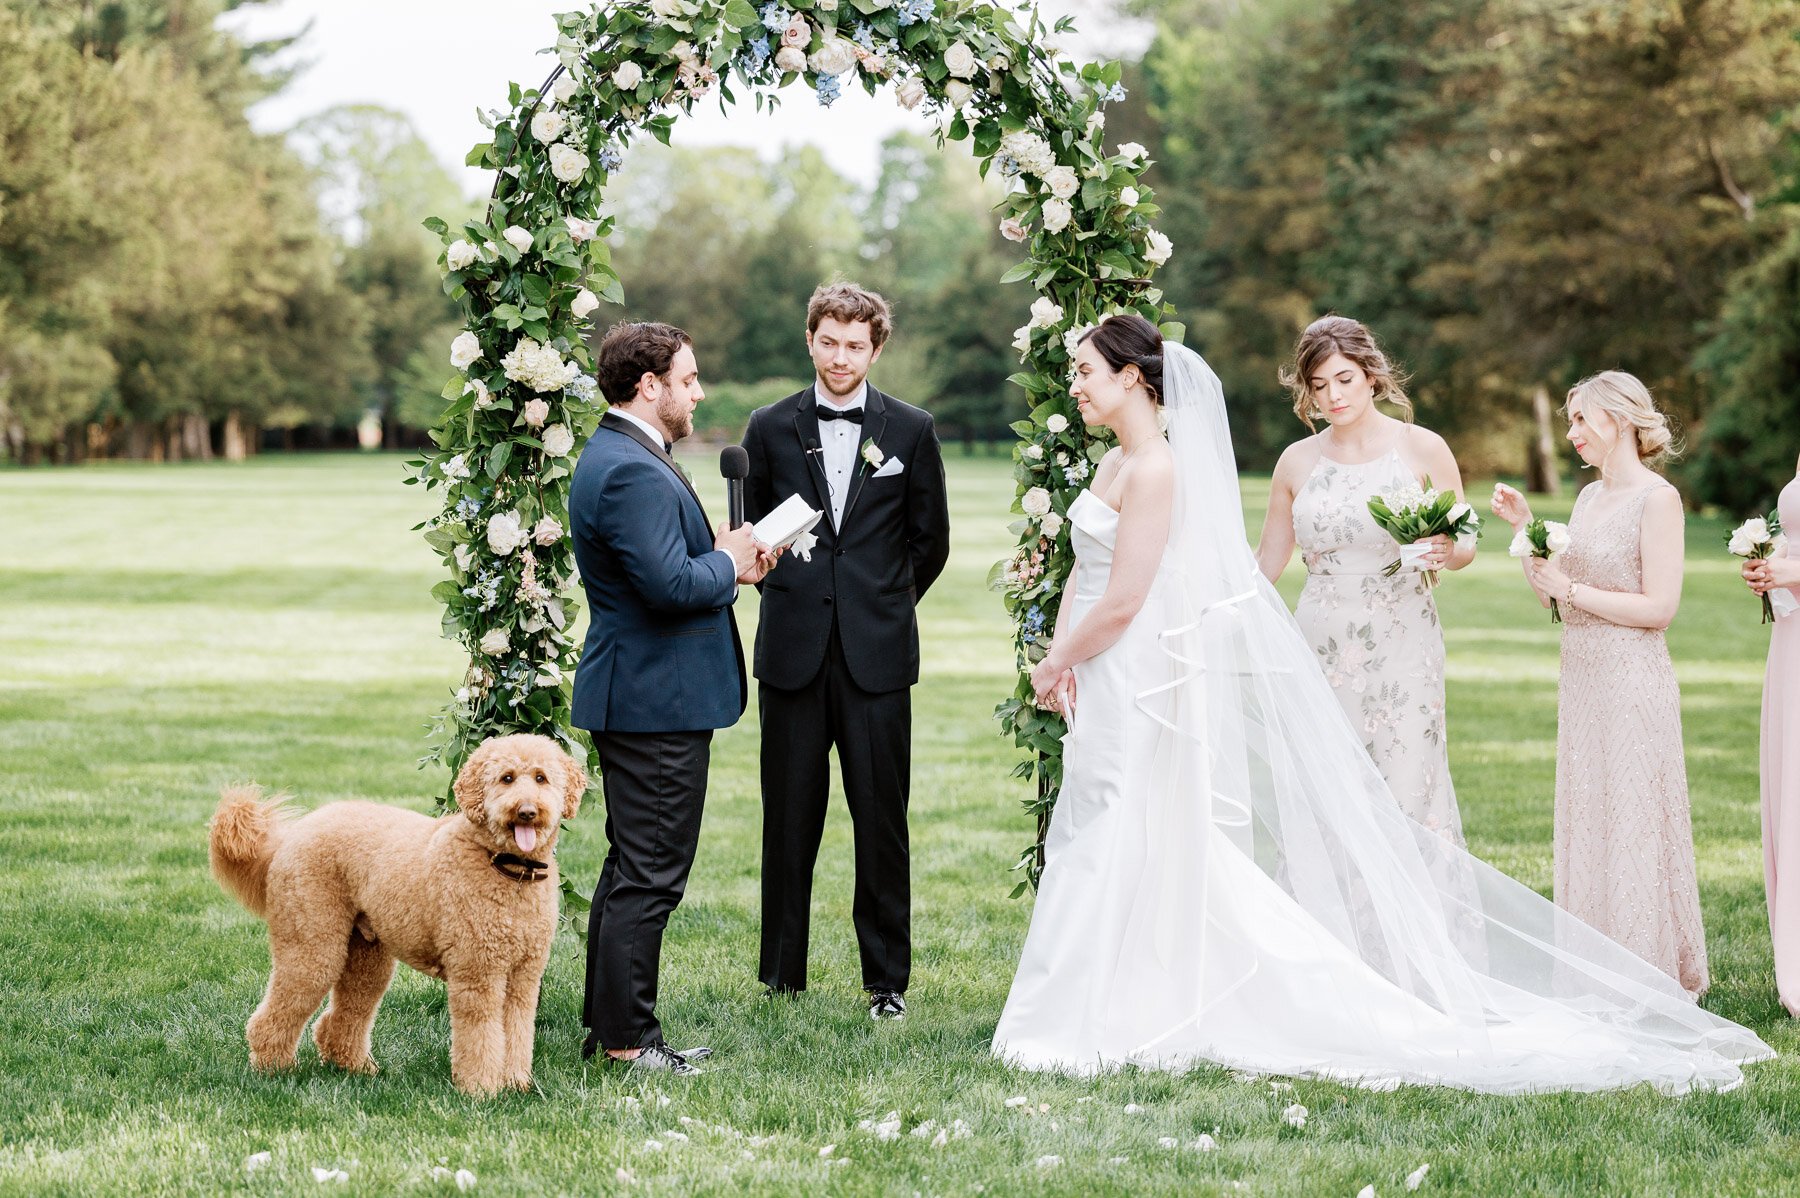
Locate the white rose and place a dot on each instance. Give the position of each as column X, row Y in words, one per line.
column 535, row 413
column 1095, row 123
column 669, row 10
column 465, row 350
column 1521, row 545
column 910, row 93
column 1057, row 422
column 456, row 468
column 1157, row 247
column 835, row 56
column 957, row 93
column 585, row 302
column 627, row 75
column 1556, row 538
column 465, row 557
column 999, row 62
column 1129, row 197
column 1033, row 452
column 1022, row 339
column 567, row 163
column 1062, row 182
column 565, row 87
column 1045, row 312
column 1057, row 215
column 484, row 398
column 558, row 440
column 548, row 125
column 504, row 533
column 517, row 237
column 797, row 34
column 827, row 5
column 490, row 249
column 547, row 531
column 1051, row 524
column 791, row 59
column 461, row 255
column 960, row 61
column 1131, row 151
column 1012, row 230
column 1740, row 544
column 495, row 642
column 581, row 230
column 1757, row 530
column 1036, row 502
column 683, row 53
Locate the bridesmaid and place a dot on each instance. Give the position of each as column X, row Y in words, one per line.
column 1624, row 843
column 1781, row 754
column 1377, row 638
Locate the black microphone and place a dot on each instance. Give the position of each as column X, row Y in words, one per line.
column 734, row 465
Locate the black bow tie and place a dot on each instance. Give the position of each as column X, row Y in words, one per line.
column 853, row 415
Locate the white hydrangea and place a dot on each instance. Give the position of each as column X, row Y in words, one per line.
column 558, row 440
column 461, row 255
column 538, row 366
column 1057, row 215
column 465, row 351
column 504, row 533
column 567, row 163
column 456, row 468
column 1029, row 150
column 1036, row 502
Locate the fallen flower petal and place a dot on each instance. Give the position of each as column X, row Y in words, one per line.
column 1416, row 1178
column 255, row 1161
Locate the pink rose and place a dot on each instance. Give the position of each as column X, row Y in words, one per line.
column 798, row 32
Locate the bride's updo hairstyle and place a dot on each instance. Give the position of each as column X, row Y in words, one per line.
column 1340, row 335
column 1625, row 398
column 1130, row 340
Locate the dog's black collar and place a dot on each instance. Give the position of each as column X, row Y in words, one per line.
column 520, row 869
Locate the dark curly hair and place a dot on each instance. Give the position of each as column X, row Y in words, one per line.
column 1130, row 340
column 633, row 349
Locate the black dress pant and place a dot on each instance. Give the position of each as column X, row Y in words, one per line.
column 655, row 786
column 873, row 736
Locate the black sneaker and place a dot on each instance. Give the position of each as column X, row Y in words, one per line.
column 886, row 1004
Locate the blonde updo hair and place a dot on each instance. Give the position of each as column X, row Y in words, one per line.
column 1625, row 398
column 1340, row 335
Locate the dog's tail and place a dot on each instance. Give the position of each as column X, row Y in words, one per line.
column 241, row 840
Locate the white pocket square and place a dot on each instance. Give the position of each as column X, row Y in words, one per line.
column 889, row 468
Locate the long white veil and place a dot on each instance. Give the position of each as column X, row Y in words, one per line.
column 1482, row 983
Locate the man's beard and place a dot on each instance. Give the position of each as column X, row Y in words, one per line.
column 676, row 415
column 849, row 388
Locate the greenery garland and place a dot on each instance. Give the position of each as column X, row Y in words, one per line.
column 530, row 275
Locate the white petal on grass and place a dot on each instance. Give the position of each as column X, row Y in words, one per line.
column 1366, row 1192
column 255, row 1161
column 675, row 1137
column 1119, row 1160
column 1416, row 1178
column 1168, row 1142
column 324, row 1175
column 465, row 1180
column 1018, row 1101
column 924, row 1130
column 828, row 1150
column 960, row 1130
column 1206, row 1144
column 941, row 1139
column 1048, row 1162
column 1294, row 1116
column 624, row 1176
column 653, row 1145
column 1132, row 1108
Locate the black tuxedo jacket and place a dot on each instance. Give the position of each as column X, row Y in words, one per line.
column 869, row 573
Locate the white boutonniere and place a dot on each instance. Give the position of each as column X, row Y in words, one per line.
column 871, row 453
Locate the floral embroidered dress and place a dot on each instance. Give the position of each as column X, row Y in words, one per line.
column 1377, row 638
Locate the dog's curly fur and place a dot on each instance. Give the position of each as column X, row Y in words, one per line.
column 352, row 887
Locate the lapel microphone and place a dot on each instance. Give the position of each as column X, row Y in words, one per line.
column 812, row 445
column 734, row 466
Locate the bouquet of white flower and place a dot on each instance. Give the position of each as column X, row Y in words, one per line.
column 1415, row 512
column 1542, row 538
column 1756, row 540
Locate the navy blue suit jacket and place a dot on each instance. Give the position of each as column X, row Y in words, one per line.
column 662, row 652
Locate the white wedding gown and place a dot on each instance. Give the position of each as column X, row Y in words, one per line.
column 1227, row 880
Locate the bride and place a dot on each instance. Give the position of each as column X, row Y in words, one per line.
column 1227, row 880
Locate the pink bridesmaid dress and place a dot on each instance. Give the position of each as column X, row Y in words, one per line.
column 1781, row 778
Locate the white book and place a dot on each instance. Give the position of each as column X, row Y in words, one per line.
column 783, row 526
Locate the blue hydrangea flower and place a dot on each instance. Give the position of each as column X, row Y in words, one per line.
column 1114, row 94
column 584, row 388
column 467, row 508
column 774, row 17
column 913, row 11
column 1034, row 620
column 758, row 54
column 829, row 90
column 609, row 158
column 864, row 36
column 1006, row 164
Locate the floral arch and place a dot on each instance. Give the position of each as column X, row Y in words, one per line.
column 530, row 275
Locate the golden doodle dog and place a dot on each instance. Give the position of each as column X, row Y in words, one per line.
column 469, row 897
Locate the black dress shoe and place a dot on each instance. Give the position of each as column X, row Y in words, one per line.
column 886, row 1004
column 590, row 1046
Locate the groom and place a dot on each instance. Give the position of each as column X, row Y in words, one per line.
column 662, row 668
column 837, row 645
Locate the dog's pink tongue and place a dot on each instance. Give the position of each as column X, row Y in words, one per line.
column 526, row 836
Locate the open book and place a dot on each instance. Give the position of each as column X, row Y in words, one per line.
column 790, row 520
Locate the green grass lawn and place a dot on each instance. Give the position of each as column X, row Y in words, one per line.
column 167, row 630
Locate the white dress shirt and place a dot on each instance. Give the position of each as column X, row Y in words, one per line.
column 840, row 440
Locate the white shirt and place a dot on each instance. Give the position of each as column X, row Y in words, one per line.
column 839, row 439
column 656, row 435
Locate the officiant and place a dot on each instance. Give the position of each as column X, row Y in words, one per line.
column 837, row 645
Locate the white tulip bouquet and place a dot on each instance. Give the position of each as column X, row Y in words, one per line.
column 1412, row 513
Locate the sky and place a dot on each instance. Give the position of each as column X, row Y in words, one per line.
column 437, row 61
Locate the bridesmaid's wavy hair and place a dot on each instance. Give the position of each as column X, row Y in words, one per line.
column 1129, row 340
column 1340, row 335
column 1625, row 398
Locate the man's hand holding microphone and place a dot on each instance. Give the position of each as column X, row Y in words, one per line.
column 753, row 559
